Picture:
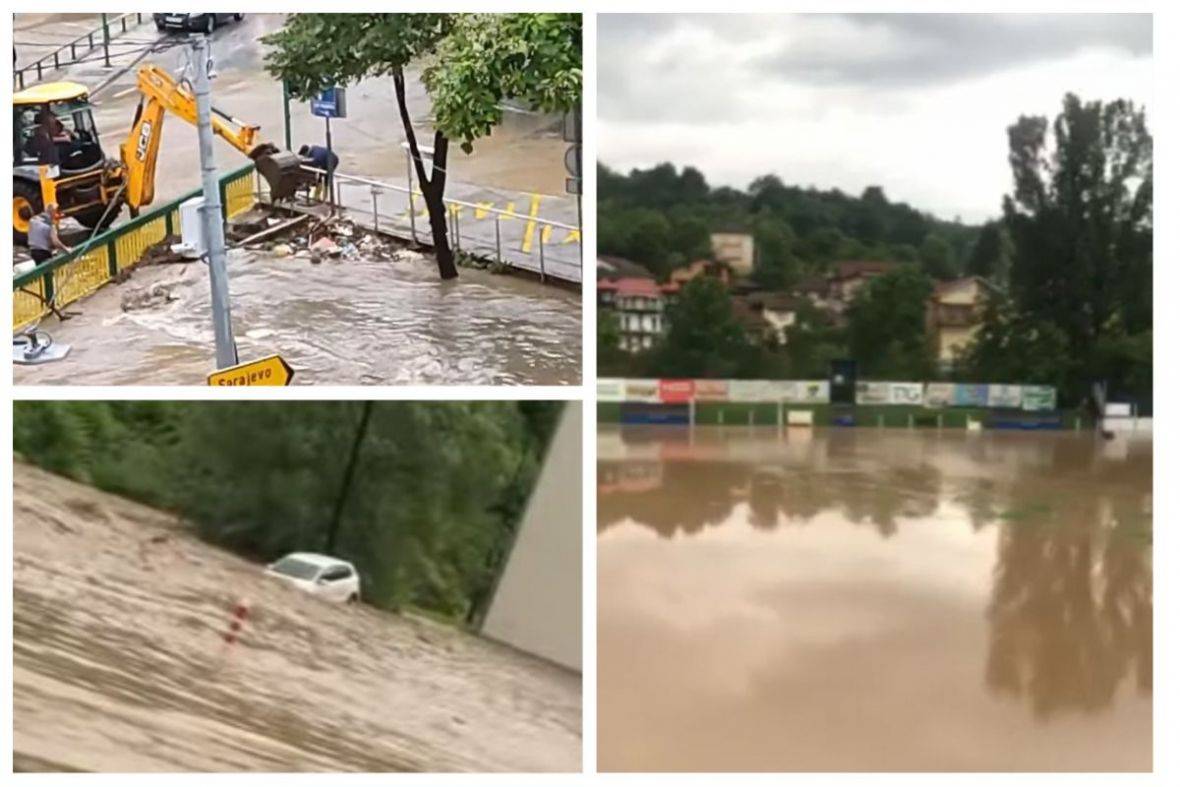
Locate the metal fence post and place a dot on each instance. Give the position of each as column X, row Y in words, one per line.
column 374, row 191
column 458, row 237
column 106, row 42
column 541, row 251
column 499, row 261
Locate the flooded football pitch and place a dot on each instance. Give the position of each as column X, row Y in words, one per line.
column 867, row 599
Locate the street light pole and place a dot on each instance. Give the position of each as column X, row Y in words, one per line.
column 227, row 352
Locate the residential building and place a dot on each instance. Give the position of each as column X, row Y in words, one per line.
column 639, row 304
column 954, row 313
column 735, row 249
column 767, row 316
column 849, row 276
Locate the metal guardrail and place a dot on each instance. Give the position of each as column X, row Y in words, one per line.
column 43, row 64
column 69, row 277
column 541, row 230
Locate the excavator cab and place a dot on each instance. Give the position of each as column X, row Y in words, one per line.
column 57, row 157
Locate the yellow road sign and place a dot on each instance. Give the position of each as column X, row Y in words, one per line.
column 271, row 370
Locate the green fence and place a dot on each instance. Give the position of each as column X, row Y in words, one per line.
column 72, row 276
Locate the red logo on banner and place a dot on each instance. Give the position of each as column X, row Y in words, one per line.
column 676, row 391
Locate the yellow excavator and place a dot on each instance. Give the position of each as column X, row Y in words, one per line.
column 58, row 159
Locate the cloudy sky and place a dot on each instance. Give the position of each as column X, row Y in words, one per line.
column 916, row 103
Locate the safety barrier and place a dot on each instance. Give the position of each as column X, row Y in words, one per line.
column 72, row 276
column 543, row 246
column 86, row 44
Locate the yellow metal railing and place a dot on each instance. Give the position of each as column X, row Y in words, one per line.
column 72, row 276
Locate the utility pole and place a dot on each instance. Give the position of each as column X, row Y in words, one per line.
column 227, row 352
column 349, row 470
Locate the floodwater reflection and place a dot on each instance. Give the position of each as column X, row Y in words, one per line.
column 873, row 600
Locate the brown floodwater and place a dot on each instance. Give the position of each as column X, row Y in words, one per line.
column 119, row 663
column 352, row 322
column 873, row 600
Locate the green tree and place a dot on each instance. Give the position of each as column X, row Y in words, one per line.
column 474, row 63
column 937, row 257
column 887, row 325
column 1080, row 219
column 990, row 254
column 704, row 338
column 775, row 265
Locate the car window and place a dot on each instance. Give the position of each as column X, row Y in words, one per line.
column 294, row 567
column 337, row 573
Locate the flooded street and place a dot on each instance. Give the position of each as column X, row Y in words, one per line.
column 119, row 664
column 861, row 599
column 345, row 323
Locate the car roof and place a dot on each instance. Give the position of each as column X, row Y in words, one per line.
column 317, row 559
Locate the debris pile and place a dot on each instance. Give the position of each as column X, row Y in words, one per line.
column 336, row 238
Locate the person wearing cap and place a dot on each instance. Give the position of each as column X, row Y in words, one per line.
column 44, row 241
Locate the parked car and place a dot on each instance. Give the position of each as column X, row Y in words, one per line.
column 197, row 23
column 320, row 575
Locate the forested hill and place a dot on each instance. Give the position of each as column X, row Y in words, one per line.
column 662, row 217
column 428, row 515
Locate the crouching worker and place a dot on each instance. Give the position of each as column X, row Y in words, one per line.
column 320, row 157
column 44, row 241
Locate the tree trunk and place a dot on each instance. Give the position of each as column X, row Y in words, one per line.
column 433, row 186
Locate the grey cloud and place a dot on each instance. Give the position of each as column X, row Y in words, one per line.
column 932, row 49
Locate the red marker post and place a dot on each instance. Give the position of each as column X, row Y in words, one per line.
column 237, row 621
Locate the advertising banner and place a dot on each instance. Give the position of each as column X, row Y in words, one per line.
column 712, row 390
column 1039, row 397
column 905, row 393
column 940, row 394
column 641, row 391
column 970, row 395
column 754, row 391
column 610, row 389
column 676, row 391
column 1009, row 396
column 872, row 393
column 812, row 392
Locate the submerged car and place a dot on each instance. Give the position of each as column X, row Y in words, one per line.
column 320, row 575
column 196, row 23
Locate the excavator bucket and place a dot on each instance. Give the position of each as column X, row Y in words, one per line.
column 281, row 169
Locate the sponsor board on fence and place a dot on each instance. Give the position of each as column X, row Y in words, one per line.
column 940, row 394
column 970, row 395
column 677, row 391
column 680, row 391
column 1004, row 396
column 754, row 390
column 641, row 391
column 905, row 393
column 712, row 390
column 1039, row 397
column 610, row 389
column 872, row 393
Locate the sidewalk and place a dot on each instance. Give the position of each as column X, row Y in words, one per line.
column 531, row 231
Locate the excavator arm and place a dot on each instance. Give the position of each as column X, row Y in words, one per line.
column 160, row 94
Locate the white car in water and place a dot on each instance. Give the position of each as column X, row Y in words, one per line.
column 320, row 575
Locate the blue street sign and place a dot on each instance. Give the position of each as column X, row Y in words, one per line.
column 330, row 104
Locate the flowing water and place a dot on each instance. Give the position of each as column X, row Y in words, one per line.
column 344, row 323
column 873, row 600
column 119, row 662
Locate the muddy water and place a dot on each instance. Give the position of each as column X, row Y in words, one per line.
column 352, row 322
column 873, row 600
column 119, row 665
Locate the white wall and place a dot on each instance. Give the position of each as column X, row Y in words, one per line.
column 538, row 603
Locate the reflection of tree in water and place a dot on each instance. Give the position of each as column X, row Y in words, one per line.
column 1071, row 604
